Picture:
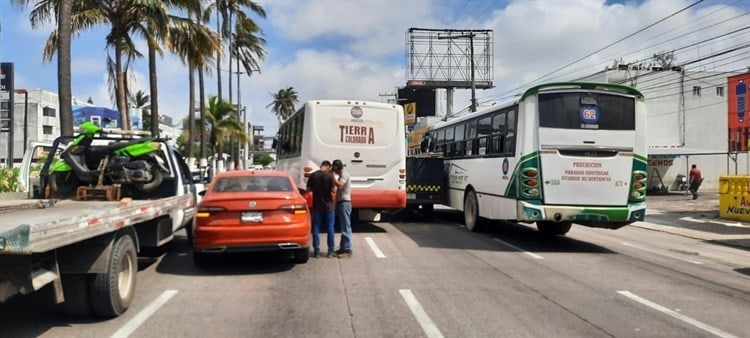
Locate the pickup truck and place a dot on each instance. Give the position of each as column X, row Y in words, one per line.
column 88, row 249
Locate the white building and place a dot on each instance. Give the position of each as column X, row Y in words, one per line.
column 39, row 120
column 36, row 117
column 687, row 123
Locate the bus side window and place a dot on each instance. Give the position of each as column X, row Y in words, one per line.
column 497, row 144
column 470, row 137
column 459, row 150
column 510, row 139
column 482, row 145
column 499, row 128
column 484, row 130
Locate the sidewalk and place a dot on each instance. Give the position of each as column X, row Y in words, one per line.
column 680, row 214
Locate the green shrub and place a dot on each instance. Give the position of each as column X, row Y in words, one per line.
column 9, row 180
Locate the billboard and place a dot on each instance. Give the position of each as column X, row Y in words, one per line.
column 739, row 118
column 6, row 88
column 424, row 98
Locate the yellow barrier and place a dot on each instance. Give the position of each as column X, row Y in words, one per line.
column 734, row 197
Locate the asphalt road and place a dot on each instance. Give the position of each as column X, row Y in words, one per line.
column 417, row 279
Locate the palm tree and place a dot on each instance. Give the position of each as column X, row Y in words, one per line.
column 44, row 11
column 225, row 10
column 284, row 103
column 223, row 122
column 124, row 18
column 196, row 44
column 247, row 46
column 156, row 35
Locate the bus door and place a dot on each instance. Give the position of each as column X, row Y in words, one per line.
column 586, row 142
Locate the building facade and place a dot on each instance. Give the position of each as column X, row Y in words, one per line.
column 36, row 117
column 688, row 123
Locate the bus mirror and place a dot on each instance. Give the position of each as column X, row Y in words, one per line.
column 273, row 144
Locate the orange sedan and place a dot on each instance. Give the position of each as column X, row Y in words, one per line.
column 251, row 210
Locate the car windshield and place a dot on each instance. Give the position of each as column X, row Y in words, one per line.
column 252, row 183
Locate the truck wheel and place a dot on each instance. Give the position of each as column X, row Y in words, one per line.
column 76, row 290
column 301, row 256
column 113, row 291
column 471, row 211
column 553, row 228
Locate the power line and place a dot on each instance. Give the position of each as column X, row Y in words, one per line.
column 609, row 45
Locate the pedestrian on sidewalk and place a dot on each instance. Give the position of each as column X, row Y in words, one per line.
column 695, row 180
column 343, row 208
column 323, row 212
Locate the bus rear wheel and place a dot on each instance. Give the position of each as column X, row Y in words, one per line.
column 471, row 212
column 548, row 228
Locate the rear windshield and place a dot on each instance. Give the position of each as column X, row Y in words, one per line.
column 252, row 183
column 586, row 111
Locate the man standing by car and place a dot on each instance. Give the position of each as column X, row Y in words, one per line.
column 343, row 208
column 322, row 185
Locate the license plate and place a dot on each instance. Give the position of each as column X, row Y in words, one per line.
column 411, row 196
column 252, row 216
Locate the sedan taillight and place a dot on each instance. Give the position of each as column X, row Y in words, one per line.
column 297, row 209
column 206, row 211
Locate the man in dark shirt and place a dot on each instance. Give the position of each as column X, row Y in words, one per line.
column 323, row 210
column 695, row 180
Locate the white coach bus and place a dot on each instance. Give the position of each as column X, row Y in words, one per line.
column 562, row 153
column 368, row 137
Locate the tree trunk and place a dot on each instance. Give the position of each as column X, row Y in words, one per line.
column 65, row 99
column 191, row 113
column 154, row 91
column 122, row 104
column 202, row 104
column 218, row 55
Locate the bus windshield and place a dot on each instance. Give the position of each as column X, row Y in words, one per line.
column 581, row 110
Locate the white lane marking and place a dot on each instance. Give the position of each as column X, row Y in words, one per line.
column 419, row 313
column 661, row 253
column 518, row 249
column 143, row 316
column 677, row 315
column 374, row 247
column 703, row 220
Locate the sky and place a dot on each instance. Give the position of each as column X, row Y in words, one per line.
column 336, row 49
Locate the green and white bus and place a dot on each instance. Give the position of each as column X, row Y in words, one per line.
column 562, row 153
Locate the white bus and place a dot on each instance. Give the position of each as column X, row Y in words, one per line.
column 368, row 137
column 562, row 153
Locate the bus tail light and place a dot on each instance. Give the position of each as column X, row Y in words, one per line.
column 530, row 183
column 638, row 187
column 307, row 171
column 402, row 174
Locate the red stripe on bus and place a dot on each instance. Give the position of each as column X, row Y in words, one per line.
column 378, row 198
